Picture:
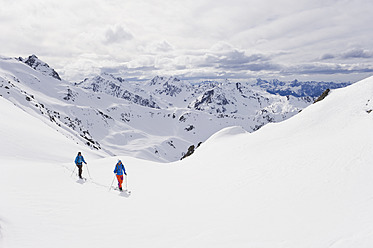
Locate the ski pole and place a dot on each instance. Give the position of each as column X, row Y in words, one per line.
column 112, row 183
column 88, row 172
column 126, row 183
column 73, row 172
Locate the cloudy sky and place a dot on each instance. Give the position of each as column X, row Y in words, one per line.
column 194, row 39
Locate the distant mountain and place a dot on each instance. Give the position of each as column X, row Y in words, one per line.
column 116, row 86
column 236, row 103
column 156, row 120
column 297, row 88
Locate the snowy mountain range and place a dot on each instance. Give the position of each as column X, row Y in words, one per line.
column 158, row 120
column 301, row 183
column 297, row 88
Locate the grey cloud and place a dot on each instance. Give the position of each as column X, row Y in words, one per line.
column 325, row 69
column 327, row 56
column 238, row 57
column 357, row 53
column 238, row 60
column 117, row 34
column 259, row 66
column 162, row 46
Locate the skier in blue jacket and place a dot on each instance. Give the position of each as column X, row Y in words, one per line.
column 119, row 171
column 79, row 160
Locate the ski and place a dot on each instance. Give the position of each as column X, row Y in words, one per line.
column 124, row 191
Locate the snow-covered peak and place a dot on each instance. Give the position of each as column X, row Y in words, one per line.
column 166, row 86
column 119, row 88
column 102, row 83
column 34, row 62
column 157, row 80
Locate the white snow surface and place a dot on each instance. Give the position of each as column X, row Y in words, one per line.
column 303, row 183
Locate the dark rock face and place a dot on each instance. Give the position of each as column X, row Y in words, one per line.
column 41, row 66
column 322, row 96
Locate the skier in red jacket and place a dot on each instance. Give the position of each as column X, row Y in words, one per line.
column 119, row 171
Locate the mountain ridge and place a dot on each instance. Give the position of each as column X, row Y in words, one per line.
column 157, row 120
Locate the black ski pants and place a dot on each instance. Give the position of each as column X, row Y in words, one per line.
column 80, row 166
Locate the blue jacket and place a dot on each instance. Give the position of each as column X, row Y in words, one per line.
column 119, row 169
column 79, row 160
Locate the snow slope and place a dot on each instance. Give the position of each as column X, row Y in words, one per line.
column 26, row 137
column 305, row 182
